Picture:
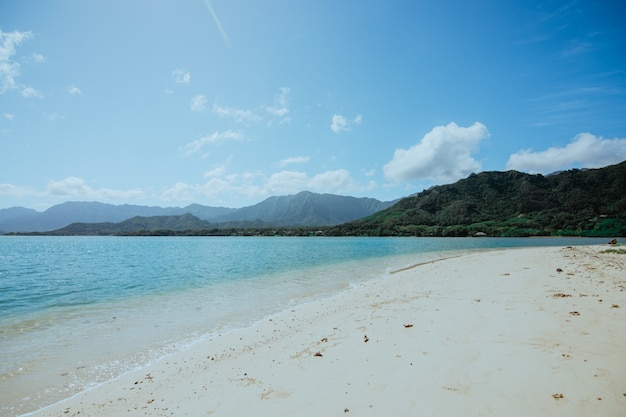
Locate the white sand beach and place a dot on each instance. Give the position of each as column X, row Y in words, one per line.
column 516, row 332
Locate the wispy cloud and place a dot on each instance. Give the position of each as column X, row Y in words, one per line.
column 213, row 138
column 75, row 91
column 216, row 172
column 10, row 69
column 293, row 160
column 9, row 116
column 12, row 190
column 181, row 76
column 70, row 187
column 574, row 102
column 575, row 48
column 77, row 187
column 38, row 58
column 585, row 150
column 238, row 115
column 198, row 103
column 30, row 92
column 443, row 155
column 341, row 124
column 280, row 108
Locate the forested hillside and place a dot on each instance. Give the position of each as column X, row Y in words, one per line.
column 589, row 202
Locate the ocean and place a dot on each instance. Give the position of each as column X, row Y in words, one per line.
column 78, row 311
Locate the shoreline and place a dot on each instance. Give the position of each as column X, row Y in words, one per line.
column 503, row 332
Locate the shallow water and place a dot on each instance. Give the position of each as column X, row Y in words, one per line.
column 78, row 311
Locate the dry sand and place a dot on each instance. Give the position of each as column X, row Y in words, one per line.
column 519, row 332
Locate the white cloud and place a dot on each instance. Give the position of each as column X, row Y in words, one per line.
column 338, row 181
column 293, row 160
column 341, row 124
column 585, row 150
column 280, row 108
column 287, row 182
column 76, row 187
column 215, row 137
column 216, row 172
column 180, row 192
column 443, row 155
column 38, row 58
column 70, row 187
column 238, row 115
column 75, row 91
column 9, row 69
column 221, row 186
column 16, row 191
column 181, row 76
column 198, row 103
column 9, row 116
column 29, row 92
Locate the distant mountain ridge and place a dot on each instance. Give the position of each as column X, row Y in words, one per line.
column 302, row 209
column 175, row 223
column 19, row 219
column 306, row 209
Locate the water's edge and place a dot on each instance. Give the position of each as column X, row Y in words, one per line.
column 139, row 330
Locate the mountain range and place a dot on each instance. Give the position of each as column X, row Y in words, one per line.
column 302, row 209
column 577, row 202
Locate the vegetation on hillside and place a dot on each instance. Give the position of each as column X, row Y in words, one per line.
column 574, row 203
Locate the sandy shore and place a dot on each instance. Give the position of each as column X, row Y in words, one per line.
column 519, row 332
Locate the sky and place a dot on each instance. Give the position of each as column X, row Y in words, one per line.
column 229, row 102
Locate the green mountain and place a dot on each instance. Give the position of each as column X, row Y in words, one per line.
column 590, row 202
column 304, row 209
column 135, row 225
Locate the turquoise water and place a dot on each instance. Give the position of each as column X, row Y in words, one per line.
column 77, row 311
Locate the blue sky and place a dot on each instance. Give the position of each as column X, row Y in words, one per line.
column 226, row 103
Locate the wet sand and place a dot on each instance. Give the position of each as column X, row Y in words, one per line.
column 516, row 332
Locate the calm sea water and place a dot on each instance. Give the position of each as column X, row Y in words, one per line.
column 78, row 311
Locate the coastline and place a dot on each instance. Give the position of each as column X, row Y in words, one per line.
column 498, row 332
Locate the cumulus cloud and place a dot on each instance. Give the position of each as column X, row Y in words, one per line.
column 443, row 155
column 181, row 76
column 585, row 150
column 293, row 160
column 341, row 124
column 76, row 187
column 238, row 115
column 198, row 103
column 215, row 137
